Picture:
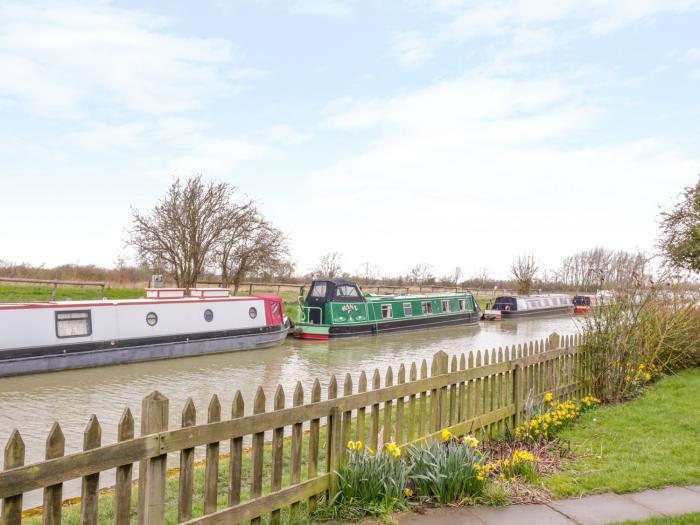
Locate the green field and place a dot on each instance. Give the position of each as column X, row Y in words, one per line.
column 647, row 443
column 11, row 293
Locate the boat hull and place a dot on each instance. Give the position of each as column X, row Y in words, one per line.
column 107, row 353
column 540, row 312
column 310, row 331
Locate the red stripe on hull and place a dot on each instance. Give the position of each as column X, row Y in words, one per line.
column 311, row 336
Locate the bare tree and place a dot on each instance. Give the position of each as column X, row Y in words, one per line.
column 524, row 270
column 250, row 243
column 368, row 272
column 591, row 269
column 329, row 266
column 420, row 274
column 181, row 231
column 481, row 277
column 454, row 276
column 680, row 231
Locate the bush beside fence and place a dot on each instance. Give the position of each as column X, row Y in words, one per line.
column 486, row 394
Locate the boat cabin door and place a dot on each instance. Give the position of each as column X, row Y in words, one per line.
column 316, row 300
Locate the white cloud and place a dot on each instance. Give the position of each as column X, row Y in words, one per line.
column 518, row 28
column 286, row 135
column 411, row 49
column 215, row 157
column 691, row 55
column 459, row 167
column 329, row 8
column 59, row 58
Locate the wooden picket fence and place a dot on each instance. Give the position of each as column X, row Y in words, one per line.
column 485, row 394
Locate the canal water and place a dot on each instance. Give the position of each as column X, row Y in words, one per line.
column 32, row 403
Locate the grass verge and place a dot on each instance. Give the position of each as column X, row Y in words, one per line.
column 647, row 443
column 683, row 519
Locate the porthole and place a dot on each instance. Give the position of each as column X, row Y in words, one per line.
column 151, row 319
column 253, row 313
column 208, row 315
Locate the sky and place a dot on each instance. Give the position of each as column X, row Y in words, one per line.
column 448, row 132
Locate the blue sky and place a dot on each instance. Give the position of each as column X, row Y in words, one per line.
column 457, row 133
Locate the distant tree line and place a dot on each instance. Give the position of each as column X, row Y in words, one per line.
column 199, row 231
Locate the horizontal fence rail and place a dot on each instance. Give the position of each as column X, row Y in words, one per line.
column 486, row 394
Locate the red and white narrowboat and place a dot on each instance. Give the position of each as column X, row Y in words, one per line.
column 167, row 323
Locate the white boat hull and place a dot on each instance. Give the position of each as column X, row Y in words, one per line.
column 147, row 352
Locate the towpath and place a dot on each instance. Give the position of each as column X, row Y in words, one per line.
column 589, row 510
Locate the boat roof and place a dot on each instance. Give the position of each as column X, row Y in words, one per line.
column 536, row 296
column 377, row 297
column 140, row 300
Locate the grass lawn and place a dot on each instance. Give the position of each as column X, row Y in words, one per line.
column 683, row 519
column 650, row 442
column 43, row 293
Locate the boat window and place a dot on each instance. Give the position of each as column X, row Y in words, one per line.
column 445, row 305
column 427, row 307
column 208, row 315
column 76, row 323
column 462, row 305
column 346, row 291
column 386, row 311
column 151, row 319
column 319, row 290
column 407, row 309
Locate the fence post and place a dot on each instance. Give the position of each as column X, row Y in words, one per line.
column 336, row 450
column 441, row 359
column 14, row 457
column 53, row 292
column 518, row 393
column 554, row 340
column 154, row 419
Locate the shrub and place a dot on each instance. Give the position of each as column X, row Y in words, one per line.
column 649, row 325
column 374, row 481
column 448, row 471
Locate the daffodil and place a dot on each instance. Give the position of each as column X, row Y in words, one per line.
column 408, row 492
column 351, row 445
column 445, row 435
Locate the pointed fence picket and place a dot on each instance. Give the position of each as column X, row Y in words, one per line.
column 485, row 393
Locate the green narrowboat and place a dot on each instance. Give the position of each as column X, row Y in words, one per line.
column 338, row 308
